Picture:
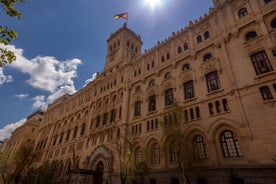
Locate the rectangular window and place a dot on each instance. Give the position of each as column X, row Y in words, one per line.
column 169, row 97
column 212, row 81
column 266, row 94
column 137, row 108
column 261, row 63
column 188, row 90
column 152, row 103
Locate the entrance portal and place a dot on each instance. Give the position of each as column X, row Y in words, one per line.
column 98, row 178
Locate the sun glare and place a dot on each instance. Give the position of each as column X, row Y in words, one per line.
column 152, row 3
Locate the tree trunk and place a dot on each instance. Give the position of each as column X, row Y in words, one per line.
column 4, row 179
column 16, row 179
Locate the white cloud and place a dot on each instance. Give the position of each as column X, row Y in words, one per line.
column 4, row 78
column 48, row 74
column 42, row 101
column 21, row 96
column 6, row 131
column 93, row 77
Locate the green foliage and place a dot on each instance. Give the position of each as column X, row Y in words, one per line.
column 7, row 34
column 43, row 174
column 174, row 126
column 22, row 160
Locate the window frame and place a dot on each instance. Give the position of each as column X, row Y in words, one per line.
column 212, row 80
column 230, row 145
column 169, row 97
column 189, row 90
column 199, row 147
column 261, row 63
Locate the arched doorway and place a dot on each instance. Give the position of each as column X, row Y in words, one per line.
column 98, row 176
column 174, row 180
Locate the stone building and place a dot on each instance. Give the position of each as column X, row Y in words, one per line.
column 27, row 132
column 219, row 68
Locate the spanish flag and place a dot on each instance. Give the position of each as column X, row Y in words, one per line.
column 121, row 15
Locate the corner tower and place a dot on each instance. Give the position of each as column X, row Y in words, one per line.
column 123, row 46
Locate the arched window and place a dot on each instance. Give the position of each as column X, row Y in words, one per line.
column 273, row 23
column 243, row 12
column 211, row 109
column 186, row 46
column 218, row 108
column 68, row 168
column 155, row 153
column 230, row 145
column 197, row 112
column 75, row 132
column 250, row 35
column 60, row 169
column 83, row 129
column 168, row 75
column 199, row 39
column 168, row 56
column 179, row 49
column 139, row 156
column 199, row 148
column 207, row 57
column 206, row 35
column 112, row 115
column 138, row 89
column 186, row 67
column 151, row 82
column 174, row 152
column 225, row 105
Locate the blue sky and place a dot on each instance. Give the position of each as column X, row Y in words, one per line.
column 62, row 43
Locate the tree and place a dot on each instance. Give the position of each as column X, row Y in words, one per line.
column 174, row 126
column 22, row 160
column 7, row 34
column 124, row 148
column 43, row 174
